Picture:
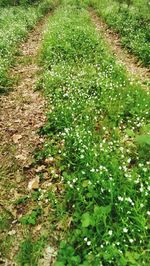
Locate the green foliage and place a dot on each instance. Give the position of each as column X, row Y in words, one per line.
column 5, row 220
column 143, row 139
column 15, row 23
column 30, row 252
column 31, row 218
column 22, row 200
column 143, row 142
column 4, row 3
column 94, row 118
column 132, row 23
column 128, row 2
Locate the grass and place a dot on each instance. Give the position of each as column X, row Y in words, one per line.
column 5, row 223
column 98, row 140
column 30, row 251
column 94, row 179
column 15, row 23
column 132, row 23
column 5, row 219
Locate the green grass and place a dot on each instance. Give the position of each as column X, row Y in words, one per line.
column 5, row 220
column 98, row 124
column 15, row 23
column 5, row 225
column 132, row 23
column 30, row 251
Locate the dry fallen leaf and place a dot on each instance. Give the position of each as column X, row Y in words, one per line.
column 21, row 157
column 11, row 233
column 40, row 168
column 46, row 211
column 46, row 176
column 34, row 183
column 49, row 256
column 37, row 228
column 16, row 138
column 49, row 160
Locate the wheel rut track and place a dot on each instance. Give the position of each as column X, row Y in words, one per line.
column 22, row 113
column 135, row 70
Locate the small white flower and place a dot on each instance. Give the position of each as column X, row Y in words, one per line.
column 141, row 189
column 148, row 213
column 92, row 170
column 85, row 239
column 120, row 198
column 131, row 240
column 110, row 232
column 145, row 169
column 129, row 160
column 88, row 243
column 125, row 230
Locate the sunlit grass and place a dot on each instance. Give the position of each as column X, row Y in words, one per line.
column 94, row 124
column 132, row 23
column 15, row 23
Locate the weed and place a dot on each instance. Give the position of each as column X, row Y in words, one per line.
column 30, row 251
column 22, row 200
column 95, row 116
column 31, row 218
column 15, row 23
column 5, row 220
column 131, row 22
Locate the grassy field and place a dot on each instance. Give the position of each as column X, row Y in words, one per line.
column 131, row 22
column 92, row 203
column 15, row 23
column 98, row 138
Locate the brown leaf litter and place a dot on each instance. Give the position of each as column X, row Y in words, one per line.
column 22, row 113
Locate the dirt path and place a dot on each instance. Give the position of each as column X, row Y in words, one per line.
column 123, row 57
column 22, row 112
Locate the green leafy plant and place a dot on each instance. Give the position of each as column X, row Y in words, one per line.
column 131, row 21
column 15, row 23
column 30, row 251
column 31, row 218
column 22, row 200
column 95, row 115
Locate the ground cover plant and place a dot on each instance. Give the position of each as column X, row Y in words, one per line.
column 132, row 22
column 16, row 2
column 97, row 147
column 15, row 23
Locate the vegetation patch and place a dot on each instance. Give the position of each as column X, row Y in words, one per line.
column 15, row 23
column 98, row 130
column 131, row 21
column 30, row 251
